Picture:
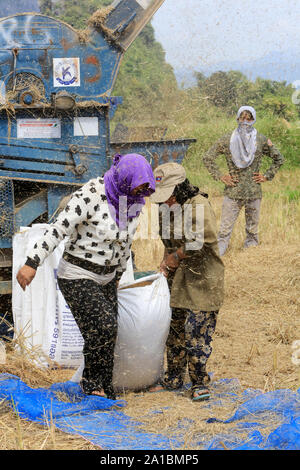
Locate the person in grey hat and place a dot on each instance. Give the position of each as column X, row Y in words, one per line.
column 195, row 274
column 243, row 149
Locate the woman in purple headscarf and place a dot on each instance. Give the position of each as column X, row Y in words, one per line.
column 99, row 223
column 126, row 184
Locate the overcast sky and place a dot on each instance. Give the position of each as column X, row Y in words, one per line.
column 206, row 32
column 210, row 35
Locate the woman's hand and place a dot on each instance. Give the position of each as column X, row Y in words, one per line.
column 259, row 178
column 163, row 268
column 170, row 263
column 166, row 269
column 229, row 180
column 25, row 276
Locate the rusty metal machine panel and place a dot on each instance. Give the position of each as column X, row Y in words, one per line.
column 55, row 90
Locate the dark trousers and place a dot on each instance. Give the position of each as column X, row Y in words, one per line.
column 189, row 345
column 95, row 310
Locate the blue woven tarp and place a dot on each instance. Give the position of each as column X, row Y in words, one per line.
column 104, row 422
column 256, row 412
column 96, row 419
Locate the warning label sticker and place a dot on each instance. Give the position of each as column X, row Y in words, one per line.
column 38, row 129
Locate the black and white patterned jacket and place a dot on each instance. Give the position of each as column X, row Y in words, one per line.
column 90, row 231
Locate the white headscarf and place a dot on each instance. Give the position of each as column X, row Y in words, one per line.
column 243, row 140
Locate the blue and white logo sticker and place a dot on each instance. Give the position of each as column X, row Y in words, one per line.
column 66, row 72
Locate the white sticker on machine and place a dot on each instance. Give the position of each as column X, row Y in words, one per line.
column 38, row 129
column 66, row 72
column 84, row 126
column 2, row 92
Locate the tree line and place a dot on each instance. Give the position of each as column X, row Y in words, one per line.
column 229, row 89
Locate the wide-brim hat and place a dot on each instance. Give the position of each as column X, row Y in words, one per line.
column 167, row 176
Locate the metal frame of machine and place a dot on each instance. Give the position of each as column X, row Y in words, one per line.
column 55, row 111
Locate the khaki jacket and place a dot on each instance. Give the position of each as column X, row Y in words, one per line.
column 246, row 188
column 198, row 282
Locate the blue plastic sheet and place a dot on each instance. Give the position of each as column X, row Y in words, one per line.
column 40, row 404
column 256, row 411
column 104, row 423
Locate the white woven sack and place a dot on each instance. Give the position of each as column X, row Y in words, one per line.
column 43, row 318
column 143, row 326
column 40, row 313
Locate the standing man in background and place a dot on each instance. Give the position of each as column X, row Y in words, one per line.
column 243, row 150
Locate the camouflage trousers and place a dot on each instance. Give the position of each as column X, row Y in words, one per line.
column 189, row 345
column 95, row 310
column 230, row 211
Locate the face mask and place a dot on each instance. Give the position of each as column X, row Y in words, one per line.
column 246, row 126
column 246, row 123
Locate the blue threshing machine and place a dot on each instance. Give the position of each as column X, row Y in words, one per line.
column 55, row 111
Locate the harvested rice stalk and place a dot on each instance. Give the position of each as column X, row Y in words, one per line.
column 64, row 397
column 10, row 111
column 84, row 35
column 26, row 362
column 88, row 104
column 98, row 18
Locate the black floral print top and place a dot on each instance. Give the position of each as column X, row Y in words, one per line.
column 90, row 231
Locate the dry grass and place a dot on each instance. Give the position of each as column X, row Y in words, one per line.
column 19, row 434
column 260, row 317
column 166, row 413
column 256, row 327
column 259, row 320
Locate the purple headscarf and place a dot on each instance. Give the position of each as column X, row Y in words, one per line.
column 127, row 173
